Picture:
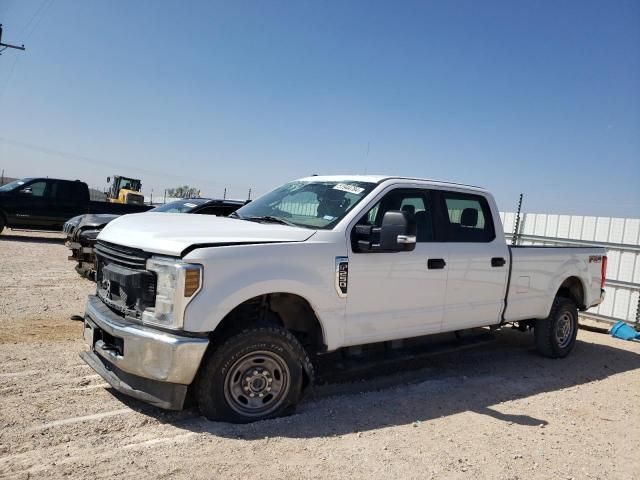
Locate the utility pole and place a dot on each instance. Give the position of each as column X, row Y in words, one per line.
column 4, row 46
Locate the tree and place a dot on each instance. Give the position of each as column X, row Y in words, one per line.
column 185, row 191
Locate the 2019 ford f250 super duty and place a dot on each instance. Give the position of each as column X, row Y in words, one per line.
column 236, row 309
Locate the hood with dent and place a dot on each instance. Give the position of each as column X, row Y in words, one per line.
column 97, row 220
column 173, row 233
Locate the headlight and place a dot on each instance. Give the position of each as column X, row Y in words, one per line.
column 176, row 284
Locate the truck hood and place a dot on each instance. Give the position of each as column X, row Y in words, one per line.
column 175, row 233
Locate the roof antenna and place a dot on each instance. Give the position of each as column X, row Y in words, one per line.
column 4, row 46
column 366, row 157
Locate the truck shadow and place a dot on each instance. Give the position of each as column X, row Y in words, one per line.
column 475, row 380
column 31, row 239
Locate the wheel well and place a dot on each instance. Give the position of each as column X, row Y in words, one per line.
column 572, row 288
column 285, row 309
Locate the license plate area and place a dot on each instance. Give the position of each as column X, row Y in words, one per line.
column 96, row 337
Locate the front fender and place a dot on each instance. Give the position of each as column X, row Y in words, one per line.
column 233, row 275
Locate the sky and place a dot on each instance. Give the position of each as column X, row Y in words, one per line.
column 538, row 97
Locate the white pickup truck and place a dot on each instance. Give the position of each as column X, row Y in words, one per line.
column 235, row 310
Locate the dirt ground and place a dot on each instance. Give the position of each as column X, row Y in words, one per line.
column 495, row 411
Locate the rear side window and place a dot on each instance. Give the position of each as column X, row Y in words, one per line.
column 60, row 190
column 467, row 218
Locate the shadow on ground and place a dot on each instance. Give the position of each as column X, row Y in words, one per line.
column 445, row 384
column 29, row 239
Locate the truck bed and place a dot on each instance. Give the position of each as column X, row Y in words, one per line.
column 538, row 272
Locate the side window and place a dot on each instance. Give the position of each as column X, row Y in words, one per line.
column 60, row 190
column 467, row 218
column 37, row 188
column 216, row 211
column 413, row 202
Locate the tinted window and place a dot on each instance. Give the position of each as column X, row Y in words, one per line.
column 37, row 188
column 60, row 190
column 413, row 202
column 467, row 218
column 218, row 211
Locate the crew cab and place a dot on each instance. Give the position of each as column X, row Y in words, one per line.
column 47, row 203
column 236, row 310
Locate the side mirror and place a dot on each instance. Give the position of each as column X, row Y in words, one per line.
column 108, row 179
column 397, row 234
column 26, row 191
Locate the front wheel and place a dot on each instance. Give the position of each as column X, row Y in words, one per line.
column 253, row 375
column 556, row 335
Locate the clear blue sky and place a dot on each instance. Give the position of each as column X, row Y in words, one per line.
column 541, row 97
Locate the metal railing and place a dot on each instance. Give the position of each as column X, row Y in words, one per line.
column 621, row 238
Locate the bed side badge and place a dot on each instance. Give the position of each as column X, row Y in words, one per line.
column 342, row 275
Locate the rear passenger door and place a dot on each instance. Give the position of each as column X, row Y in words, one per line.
column 477, row 262
column 63, row 201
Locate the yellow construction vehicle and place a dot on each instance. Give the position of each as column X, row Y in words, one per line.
column 125, row 190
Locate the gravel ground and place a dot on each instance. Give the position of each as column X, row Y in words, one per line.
column 493, row 411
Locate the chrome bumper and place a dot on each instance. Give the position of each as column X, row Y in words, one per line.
column 137, row 350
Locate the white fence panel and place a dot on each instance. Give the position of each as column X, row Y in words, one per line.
column 621, row 238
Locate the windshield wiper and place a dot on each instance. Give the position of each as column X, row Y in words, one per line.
column 269, row 219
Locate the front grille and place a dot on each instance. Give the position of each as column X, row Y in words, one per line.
column 125, row 256
column 123, row 283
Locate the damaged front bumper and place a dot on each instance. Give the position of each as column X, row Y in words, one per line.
column 145, row 363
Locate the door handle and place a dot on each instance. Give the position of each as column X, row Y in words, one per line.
column 498, row 262
column 436, row 263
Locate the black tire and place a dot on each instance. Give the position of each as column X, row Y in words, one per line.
column 556, row 335
column 236, row 377
column 2, row 223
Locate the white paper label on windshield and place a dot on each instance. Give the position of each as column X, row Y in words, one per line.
column 190, row 205
column 349, row 188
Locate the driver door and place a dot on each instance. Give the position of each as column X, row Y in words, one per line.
column 398, row 294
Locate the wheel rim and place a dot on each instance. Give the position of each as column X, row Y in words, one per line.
column 257, row 384
column 565, row 327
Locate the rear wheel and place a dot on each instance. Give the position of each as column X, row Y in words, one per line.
column 253, row 375
column 556, row 335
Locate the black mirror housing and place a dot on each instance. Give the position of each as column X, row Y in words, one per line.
column 397, row 234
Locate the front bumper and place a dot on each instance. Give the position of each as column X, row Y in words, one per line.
column 142, row 362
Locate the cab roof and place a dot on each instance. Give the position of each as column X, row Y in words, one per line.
column 384, row 178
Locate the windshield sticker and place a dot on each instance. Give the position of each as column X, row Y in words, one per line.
column 349, row 188
column 328, row 217
column 190, row 205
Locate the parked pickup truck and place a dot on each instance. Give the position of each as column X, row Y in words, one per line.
column 46, row 203
column 82, row 231
column 237, row 309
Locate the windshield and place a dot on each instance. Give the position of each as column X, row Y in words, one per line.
column 310, row 204
column 11, row 185
column 180, row 206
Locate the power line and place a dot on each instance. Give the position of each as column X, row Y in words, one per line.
column 111, row 165
column 44, row 12
column 38, row 10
